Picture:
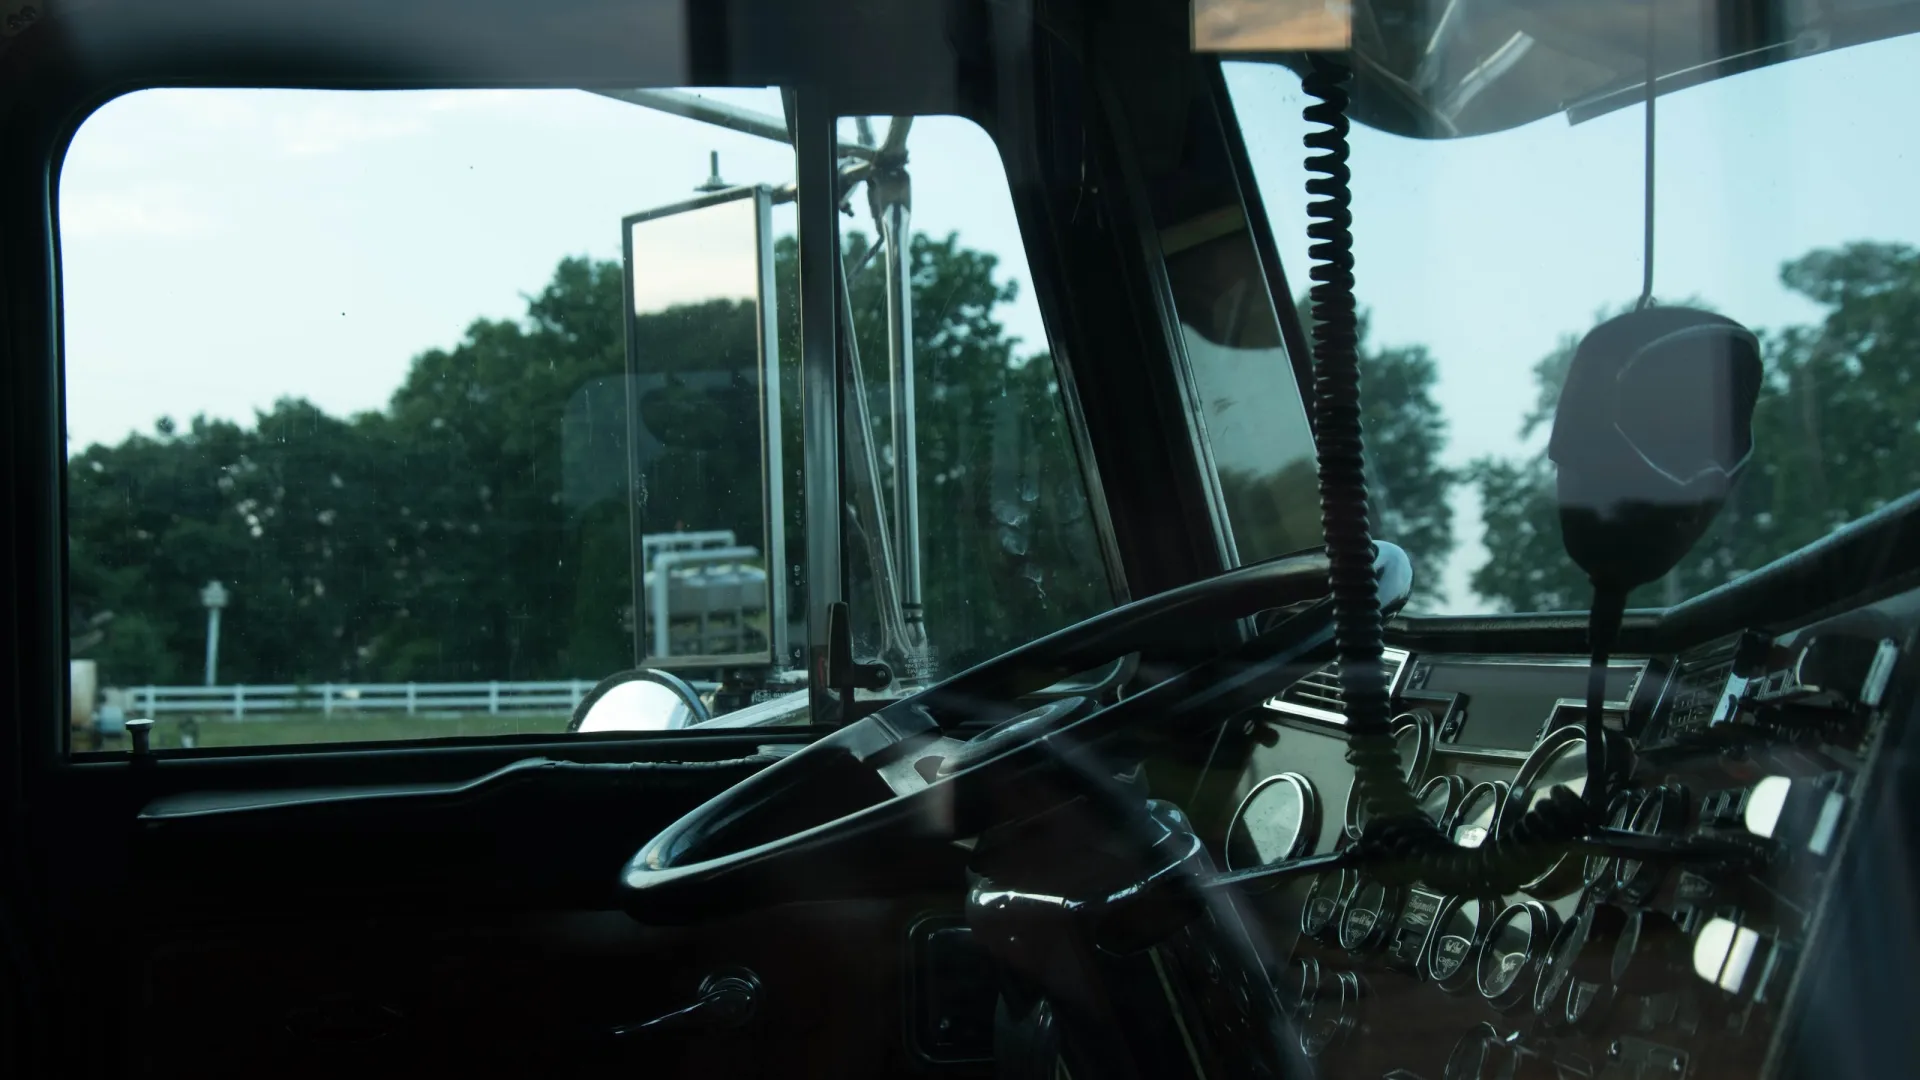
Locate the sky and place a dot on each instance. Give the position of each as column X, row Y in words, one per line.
column 223, row 248
column 1487, row 250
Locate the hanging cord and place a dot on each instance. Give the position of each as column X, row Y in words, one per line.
column 1358, row 635
column 1603, row 626
column 1609, row 602
column 1400, row 844
column 1646, row 158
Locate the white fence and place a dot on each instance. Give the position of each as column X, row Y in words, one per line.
column 241, row 701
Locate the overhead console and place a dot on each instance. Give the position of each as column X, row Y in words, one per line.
column 1598, row 967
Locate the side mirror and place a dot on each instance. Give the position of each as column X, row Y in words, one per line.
column 639, row 700
column 703, row 433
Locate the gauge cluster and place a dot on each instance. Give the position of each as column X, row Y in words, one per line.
column 1601, row 965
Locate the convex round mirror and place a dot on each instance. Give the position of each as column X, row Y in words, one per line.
column 639, row 700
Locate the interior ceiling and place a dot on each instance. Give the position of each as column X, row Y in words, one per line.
column 1448, row 68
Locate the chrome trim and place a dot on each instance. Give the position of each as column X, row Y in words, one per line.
column 1557, row 879
column 1542, row 925
column 1640, row 665
column 1462, row 976
column 774, row 472
column 817, row 181
column 1414, row 772
column 1308, row 832
column 1277, row 703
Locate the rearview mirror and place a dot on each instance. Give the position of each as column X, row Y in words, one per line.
column 639, row 700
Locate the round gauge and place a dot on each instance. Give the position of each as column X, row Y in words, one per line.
column 1369, row 912
column 1335, row 1012
column 1413, row 738
column 1560, row 760
column 1299, row 988
column 1440, row 798
column 1479, row 814
column 1278, row 820
column 1457, row 933
column 1576, row 973
column 1324, row 901
column 1599, row 869
column 1662, row 813
column 1514, row 944
column 1468, row 1059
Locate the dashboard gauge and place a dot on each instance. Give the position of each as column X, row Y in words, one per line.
column 1335, row 1013
column 1662, row 813
column 1479, row 814
column 1413, row 738
column 1299, row 988
column 1407, row 944
column 1560, row 760
column 1320, row 915
column 1598, row 875
column 1440, row 798
column 1576, row 975
column 1370, row 911
column 1469, row 1057
column 1515, row 942
column 1278, row 820
column 1458, row 930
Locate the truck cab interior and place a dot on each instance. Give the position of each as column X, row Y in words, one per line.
column 1030, row 539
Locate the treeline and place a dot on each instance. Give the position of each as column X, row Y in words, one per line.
column 478, row 526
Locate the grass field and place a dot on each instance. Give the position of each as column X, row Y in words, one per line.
column 284, row 729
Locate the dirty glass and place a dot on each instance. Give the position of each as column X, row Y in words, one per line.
column 1004, row 546
column 1782, row 199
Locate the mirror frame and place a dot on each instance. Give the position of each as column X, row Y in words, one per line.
column 772, row 502
column 680, row 687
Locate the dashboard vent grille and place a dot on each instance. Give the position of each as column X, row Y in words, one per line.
column 1317, row 695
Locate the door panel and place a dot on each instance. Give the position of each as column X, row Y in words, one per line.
column 460, row 927
column 520, row 995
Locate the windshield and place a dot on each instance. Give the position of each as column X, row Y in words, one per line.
column 1783, row 199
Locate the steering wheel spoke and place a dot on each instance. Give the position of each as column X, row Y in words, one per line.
column 874, row 808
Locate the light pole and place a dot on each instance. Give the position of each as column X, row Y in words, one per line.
column 214, row 597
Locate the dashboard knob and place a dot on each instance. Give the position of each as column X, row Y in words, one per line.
column 1576, row 983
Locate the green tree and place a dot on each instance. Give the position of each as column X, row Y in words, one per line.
column 1406, row 434
column 1833, row 439
column 479, row 525
column 1008, row 546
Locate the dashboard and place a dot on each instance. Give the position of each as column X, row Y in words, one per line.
column 1599, row 967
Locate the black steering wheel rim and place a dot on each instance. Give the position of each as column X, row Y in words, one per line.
column 886, row 808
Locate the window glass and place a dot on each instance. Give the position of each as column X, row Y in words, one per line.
column 347, row 386
column 1003, row 545
column 1783, row 199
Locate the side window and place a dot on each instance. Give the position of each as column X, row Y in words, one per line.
column 348, row 376
column 971, row 521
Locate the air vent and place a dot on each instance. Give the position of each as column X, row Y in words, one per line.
column 1317, row 696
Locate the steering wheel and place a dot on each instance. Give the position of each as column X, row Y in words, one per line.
column 864, row 811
